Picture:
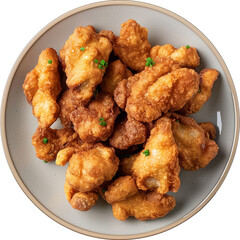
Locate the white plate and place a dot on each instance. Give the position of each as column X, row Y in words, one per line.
column 43, row 183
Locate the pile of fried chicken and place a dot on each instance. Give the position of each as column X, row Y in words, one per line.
column 123, row 105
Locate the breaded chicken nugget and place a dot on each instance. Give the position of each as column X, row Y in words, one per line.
column 78, row 200
column 196, row 150
column 127, row 133
column 120, row 189
column 157, row 166
column 42, row 86
column 132, row 46
column 144, row 206
column 87, row 170
column 115, row 73
column 126, row 164
column 48, row 142
column 185, row 56
column 81, row 58
column 207, row 78
column 95, row 122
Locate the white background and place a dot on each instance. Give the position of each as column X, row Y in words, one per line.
column 21, row 20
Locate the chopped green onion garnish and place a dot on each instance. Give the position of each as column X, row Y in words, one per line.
column 45, row 140
column 149, row 62
column 199, row 90
column 45, row 161
column 96, row 61
column 82, row 48
column 50, row 61
column 102, row 122
column 103, row 190
column 187, row 47
column 177, row 121
column 100, row 66
column 146, row 152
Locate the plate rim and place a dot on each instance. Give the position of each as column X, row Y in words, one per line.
column 17, row 177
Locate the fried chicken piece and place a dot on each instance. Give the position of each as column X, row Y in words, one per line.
column 184, row 56
column 56, row 139
column 42, row 86
column 144, row 206
column 157, row 166
column 78, row 200
column 207, row 78
column 115, row 73
column 132, row 46
column 156, row 90
column 196, row 150
column 127, row 133
column 87, row 170
column 209, row 128
column 78, row 57
column 95, row 122
column 120, row 189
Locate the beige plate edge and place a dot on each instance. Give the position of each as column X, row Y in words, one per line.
column 5, row 98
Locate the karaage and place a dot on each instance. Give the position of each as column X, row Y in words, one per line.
column 157, row 166
column 196, row 150
column 95, row 122
column 185, row 56
column 42, row 86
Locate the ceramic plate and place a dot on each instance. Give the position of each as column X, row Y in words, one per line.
column 43, row 183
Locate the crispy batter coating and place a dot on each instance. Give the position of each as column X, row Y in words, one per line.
column 127, row 133
column 184, row 56
column 78, row 200
column 57, row 139
column 160, row 169
column 142, row 81
column 120, row 189
column 144, row 206
column 115, row 73
column 42, row 86
column 207, row 78
column 209, row 128
column 87, row 120
column 132, row 46
column 196, row 150
column 78, row 55
column 87, row 170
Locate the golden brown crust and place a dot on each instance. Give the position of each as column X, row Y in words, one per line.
column 42, row 86
column 196, row 150
column 184, row 56
column 57, row 139
column 87, row 123
column 127, row 133
column 209, row 128
column 207, row 78
column 78, row 200
column 160, row 169
column 120, row 189
column 87, row 170
column 79, row 64
column 132, row 46
column 115, row 73
column 144, row 206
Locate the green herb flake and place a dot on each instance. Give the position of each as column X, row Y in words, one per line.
column 199, row 90
column 146, row 152
column 103, row 190
column 149, row 62
column 177, row 121
column 45, row 140
column 96, row 61
column 187, row 47
column 102, row 122
column 49, row 61
column 45, row 161
column 100, row 66
column 82, row 48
